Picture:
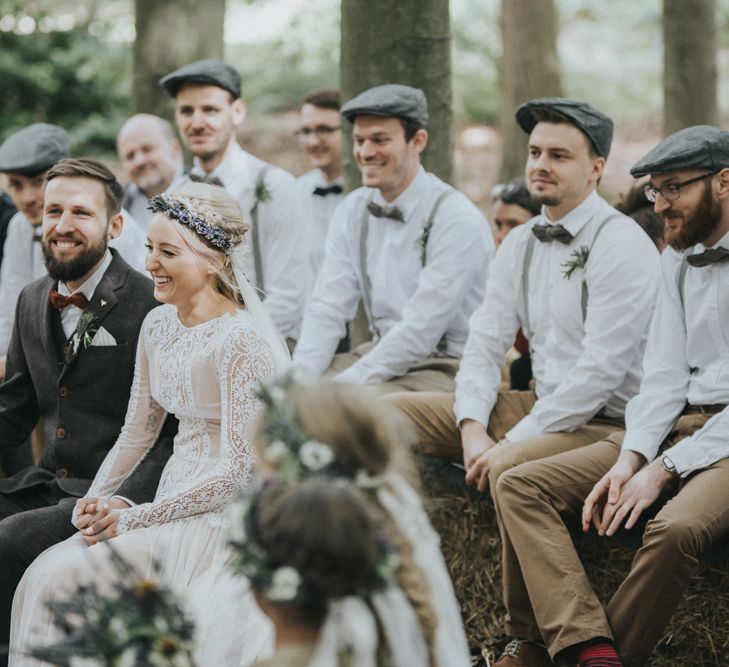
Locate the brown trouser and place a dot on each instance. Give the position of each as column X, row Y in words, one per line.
column 432, row 424
column 546, row 591
column 432, row 374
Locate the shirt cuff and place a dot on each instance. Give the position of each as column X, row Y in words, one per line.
column 471, row 408
column 637, row 441
column 525, row 429
column 126, row 500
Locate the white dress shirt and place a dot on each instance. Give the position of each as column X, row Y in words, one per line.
column 687, row 359
column 413, row 307
column 316, row 212
column 71, row 314
column 23, row 263
column 135, row 201
column 281, row 257
column 581, row 366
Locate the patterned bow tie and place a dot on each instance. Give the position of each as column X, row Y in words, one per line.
column 549, row 233
column 335, row 189
column 392, row 212
column 711, row 256
column 59, row 301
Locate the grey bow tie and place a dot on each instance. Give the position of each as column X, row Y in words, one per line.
column 549, row 233
column 711, row 256
column 392, row 212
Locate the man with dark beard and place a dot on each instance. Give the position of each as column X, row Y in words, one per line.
column 676, row 443
column 71, row 363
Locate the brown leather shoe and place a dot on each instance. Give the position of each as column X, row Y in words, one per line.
column 520, row 653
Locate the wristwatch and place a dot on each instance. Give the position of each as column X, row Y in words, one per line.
column 668, row 465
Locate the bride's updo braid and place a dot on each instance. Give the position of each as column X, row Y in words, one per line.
column 220, row 211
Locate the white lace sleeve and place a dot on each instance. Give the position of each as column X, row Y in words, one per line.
column 244, row 361
column 142, row 425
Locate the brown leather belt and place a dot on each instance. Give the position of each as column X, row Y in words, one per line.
column 707, row 409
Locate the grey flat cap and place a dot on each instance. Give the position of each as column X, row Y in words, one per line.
column 595, row 124
column 212, row 72
column 34, row 149
column 697, row 147
column 390, row 99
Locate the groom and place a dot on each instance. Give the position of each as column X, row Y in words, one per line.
column 71, row 364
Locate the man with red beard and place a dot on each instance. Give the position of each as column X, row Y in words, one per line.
column 70, row 364
column 675, row 445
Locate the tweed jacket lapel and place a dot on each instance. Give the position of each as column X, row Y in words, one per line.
column 102, row 303
column 47, row 334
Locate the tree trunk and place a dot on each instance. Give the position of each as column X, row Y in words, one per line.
column 406, row 42
column 529, row 68
column 689, row 64
column 171, row 33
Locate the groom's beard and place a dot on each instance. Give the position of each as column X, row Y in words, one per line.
column 73, row 268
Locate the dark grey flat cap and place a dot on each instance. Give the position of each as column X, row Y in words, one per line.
column 595, row 124
column 390, row 99
column 697, row 147
column 34, row 149
column 212, row 72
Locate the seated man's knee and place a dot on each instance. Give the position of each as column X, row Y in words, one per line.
column 674, row 537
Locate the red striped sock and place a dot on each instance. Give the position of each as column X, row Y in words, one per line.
column 598, row 653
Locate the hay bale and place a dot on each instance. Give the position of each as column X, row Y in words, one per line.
column 699, row 630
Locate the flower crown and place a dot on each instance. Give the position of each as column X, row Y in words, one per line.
column 172, row 208
column 280, row 583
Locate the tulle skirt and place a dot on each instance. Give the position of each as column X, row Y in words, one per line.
column 230, row 629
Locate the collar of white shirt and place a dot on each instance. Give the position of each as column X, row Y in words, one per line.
column 409, row 199
column 233, row 171
column 579, row 216
column 723, row 242
column 91, row 283
column 320, row 180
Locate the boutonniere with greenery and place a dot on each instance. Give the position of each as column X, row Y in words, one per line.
column 263, row 194
column 85, row 330
column 133, row 622
column 578, row 261
column 423, row 243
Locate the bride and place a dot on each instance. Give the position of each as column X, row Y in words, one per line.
column 201, row 356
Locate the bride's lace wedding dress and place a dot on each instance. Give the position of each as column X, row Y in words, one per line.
column 208, row 377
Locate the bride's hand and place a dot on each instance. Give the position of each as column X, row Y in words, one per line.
column 101, row 524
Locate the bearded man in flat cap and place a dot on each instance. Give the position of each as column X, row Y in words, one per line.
column 675, row 444
column 414, row 250
column 208, row 111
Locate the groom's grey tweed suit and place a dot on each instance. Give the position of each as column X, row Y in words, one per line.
column 82, row 400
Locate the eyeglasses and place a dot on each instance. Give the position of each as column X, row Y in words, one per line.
column 671, row 191
column 320, row 131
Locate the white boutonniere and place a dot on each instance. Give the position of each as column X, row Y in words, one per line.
column 577, row 261
column 85, row 331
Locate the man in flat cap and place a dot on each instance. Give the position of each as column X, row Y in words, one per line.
column 675, row 444
column 151, row 156
column 208, row 110
column 320, row 190
column 414, row 250
column 25, row 156
column 70, row 365
column 580, row 280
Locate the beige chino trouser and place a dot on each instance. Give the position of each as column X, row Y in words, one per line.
column 432, row 423
column 433, row 374
column 546, row 591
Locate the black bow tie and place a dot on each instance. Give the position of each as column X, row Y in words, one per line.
column 392, row 212
column 711, row 256
column 549, row 233
column 335, row 189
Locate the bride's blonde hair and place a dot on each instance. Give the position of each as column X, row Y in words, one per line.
column 221, row 211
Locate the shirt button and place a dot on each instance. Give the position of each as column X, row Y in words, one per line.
column 63, row 392
column 62, row 472
column 61, row 433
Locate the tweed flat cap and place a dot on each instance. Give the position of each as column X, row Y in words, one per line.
column 390, row 99
column 697, row 147
column 595, row 124
column 34, row 149
column 212, row 72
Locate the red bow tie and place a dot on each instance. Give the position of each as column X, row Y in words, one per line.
column 59, row 301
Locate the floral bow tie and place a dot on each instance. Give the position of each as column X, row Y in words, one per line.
column 549, row 233
column 392, row 212
column 711, row 256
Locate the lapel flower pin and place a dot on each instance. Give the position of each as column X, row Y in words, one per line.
column 578, row 261
column 85, row 331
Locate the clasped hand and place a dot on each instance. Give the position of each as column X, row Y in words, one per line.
column 623, row 493
column 97, row 518
column 478, row 450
